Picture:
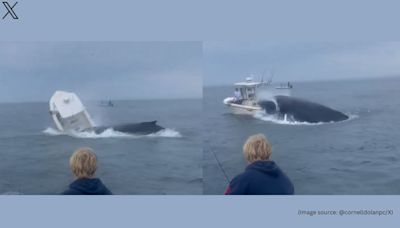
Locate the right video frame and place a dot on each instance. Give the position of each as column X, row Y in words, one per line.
column 301, row 118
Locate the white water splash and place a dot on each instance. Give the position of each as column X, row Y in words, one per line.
column 111, row 133
column 289, row 121
column 52, row 131
column 168, row 133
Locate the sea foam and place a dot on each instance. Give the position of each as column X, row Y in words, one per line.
column 111, row 133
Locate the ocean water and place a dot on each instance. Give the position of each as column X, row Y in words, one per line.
column 34, row 156
column 357, row 156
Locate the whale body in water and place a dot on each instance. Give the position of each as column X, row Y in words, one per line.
column 133, row 128
column 301, row 110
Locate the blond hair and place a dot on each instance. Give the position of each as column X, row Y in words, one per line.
column 83, row 162
column 257, row 148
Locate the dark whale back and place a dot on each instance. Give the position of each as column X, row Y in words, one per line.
column 302, row 110
column 268, row 106
column 134, row 128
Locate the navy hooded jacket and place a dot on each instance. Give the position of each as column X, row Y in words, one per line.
column 87, row 186
column 261, row 178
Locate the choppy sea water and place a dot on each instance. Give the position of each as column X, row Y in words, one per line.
column 34, row 156
column 357, row 156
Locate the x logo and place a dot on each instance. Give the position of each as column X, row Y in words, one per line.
column 10, row 10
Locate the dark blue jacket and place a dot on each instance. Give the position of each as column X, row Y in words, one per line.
column 87, row 186
column 261, row 178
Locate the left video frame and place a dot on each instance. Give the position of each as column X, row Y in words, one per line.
column 100, row 118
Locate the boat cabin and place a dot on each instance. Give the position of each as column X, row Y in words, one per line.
column 247, row 89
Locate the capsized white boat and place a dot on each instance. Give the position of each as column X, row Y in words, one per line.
column 69, row 115
column 68, row 112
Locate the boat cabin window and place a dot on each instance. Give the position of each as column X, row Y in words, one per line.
column 243, row 93
column 247, row 92
column 250, row 93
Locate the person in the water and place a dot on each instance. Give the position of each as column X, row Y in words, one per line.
column 83, row 163
column 262, row 176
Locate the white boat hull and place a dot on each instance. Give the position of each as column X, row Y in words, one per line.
column 240, row 109
column 243, row 111
column 68, row 112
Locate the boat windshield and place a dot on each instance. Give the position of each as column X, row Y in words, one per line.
column 247, row 93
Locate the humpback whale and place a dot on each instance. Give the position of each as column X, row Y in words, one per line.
column 301, row 110
column 135, row 128
column 69, row 114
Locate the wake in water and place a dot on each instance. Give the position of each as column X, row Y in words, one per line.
column 111, row 133
column 288, row 120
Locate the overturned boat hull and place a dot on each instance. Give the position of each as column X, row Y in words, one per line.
column 69, row 115
column 68, row 112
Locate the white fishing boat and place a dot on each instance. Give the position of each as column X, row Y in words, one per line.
column 245, row 99
column 106, row 103
column 287, row 86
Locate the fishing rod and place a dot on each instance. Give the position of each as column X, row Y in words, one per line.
column 220, row 166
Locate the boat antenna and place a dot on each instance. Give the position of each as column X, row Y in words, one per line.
column 272, row 76
column 262, row 75
column 220, row 166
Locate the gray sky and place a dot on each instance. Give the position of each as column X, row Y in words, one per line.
column 100, row 70
column 227, row 62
